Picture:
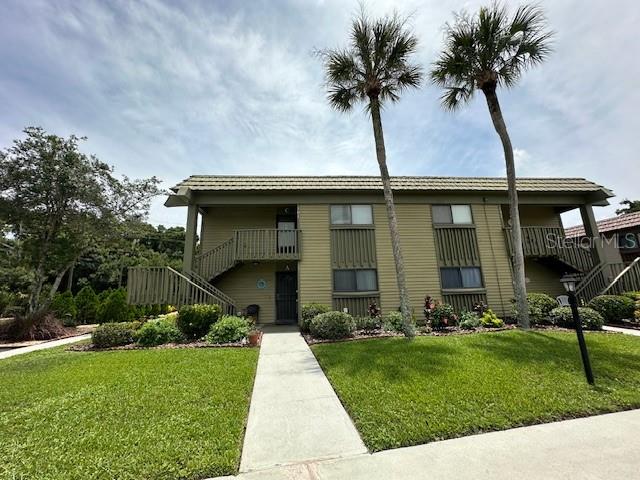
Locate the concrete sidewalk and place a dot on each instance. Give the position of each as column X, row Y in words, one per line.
column 295, row 416
column 44, row 345
column 601, row 447
column 626, row 331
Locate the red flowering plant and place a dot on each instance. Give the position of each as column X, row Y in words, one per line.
column 374, row 310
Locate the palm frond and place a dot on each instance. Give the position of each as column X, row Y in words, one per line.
column 343, row 98
column 455, row 97
column 490, row 46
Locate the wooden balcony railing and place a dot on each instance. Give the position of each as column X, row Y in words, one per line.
column 266, row 244
column 551, row 242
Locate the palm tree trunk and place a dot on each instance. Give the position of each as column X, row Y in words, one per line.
column 520, row 288
column 381, row 154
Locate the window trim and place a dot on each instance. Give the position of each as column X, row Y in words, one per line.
column 452, row 225
column 351, row 224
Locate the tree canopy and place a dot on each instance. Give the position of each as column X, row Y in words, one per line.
column 57, row 203
column 631, row 206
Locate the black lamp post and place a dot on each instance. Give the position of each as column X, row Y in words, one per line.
column 569, row 282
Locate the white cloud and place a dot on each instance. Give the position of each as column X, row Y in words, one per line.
column 223, row 87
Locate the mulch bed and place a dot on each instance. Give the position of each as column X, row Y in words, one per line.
column 89, row 347
column 365, row 335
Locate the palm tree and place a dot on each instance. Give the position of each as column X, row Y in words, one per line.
column 374, row 69
column 482, row 52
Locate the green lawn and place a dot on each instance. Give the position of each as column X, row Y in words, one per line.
column 402, row 393
column 146, row 414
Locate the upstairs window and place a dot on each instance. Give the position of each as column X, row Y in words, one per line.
column 461, row 277
column 452, row 214
column 351, row 215
column 355, row 280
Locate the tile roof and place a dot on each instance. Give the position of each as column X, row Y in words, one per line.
column 621, row 222
column 414, row 183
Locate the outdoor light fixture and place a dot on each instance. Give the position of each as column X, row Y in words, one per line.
column 569, row 282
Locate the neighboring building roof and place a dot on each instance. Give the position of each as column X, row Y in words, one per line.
column 342, row 183
column 621, row 222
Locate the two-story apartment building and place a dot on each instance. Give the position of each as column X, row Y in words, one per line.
column 281, row 242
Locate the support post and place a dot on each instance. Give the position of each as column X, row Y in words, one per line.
column 591, row 231
column 190, row 238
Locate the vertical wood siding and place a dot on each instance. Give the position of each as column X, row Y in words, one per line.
column 314, row 268
column 457, row 246
column 353, row 248
column 496, row 266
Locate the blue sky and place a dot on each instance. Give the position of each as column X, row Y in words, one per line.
column 219, row 87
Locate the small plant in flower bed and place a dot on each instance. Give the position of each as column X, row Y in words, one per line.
column 374, row 310
column 563, row 317
column 194, row 321
column 332, row 326
column 429, row 306
column 309, row 312
column 442, row 316
column 469, row 321
column 613, row 308
column 368, row 324
column 229, row 329
column 392, row 322
column 158, row 332
column 115, row 334
column 491, row 320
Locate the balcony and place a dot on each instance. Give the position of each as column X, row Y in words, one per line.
column 250, row 245
column 540, row 242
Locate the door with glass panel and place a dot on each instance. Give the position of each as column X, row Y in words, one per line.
column 286, row 226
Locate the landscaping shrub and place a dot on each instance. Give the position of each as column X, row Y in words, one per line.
column 6, row 299
column 368, row 324
column 114, row 334
column 194, row 321
column 393, row 322
column 64, row 308
column 443, row 315
column 591, row 319
column 540, row 306
column 332, row 325
column 491, row 320
column 635, row 296
column 87, row 305
column 469, row 320
column 228, row 329
column 613, row 308
column 114, row 309
column 309, row 312
column 158, row 332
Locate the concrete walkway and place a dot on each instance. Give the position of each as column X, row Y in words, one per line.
column 626, row 331
column 43, row 345
column 601, row 447
column 295, row 416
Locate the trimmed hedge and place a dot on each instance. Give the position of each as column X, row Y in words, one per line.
column 309, row 312
column 158, row 332
column 228, row 329
column 540, row 306
column 613, row 308
column 332, row 326
column 368, row 324
column 591, row 319
column 194, row 321
column 114, row 334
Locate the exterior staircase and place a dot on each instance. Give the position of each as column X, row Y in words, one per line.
column 609, row 278
column 166, row 286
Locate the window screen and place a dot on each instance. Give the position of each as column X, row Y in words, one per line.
column 355, row 280
column 366, row 280
column 465, row 277
column 461, row 214
column 361, row 215
column 442, row 214
column 340, row 215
